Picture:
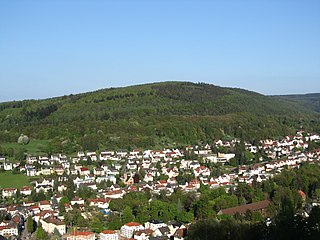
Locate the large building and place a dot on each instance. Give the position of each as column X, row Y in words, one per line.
column 9, row 230
column 128, row 229
column 254, row 207
column 50, row 224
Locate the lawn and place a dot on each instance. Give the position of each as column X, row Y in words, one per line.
column 35, row 147
column 9, row 180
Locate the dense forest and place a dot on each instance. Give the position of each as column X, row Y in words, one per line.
column 152, row 115
column 310, row 101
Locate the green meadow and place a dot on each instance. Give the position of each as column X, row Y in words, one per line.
column 9, row 180
column 34, row 147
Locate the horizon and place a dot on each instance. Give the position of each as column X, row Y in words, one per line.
column 56, row 48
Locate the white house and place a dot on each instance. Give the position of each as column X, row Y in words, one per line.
column 9, row 192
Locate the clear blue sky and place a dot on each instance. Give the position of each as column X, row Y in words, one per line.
column 59, row 47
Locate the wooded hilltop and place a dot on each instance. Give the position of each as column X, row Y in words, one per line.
column 153, row 115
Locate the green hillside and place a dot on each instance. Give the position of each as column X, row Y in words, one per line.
column 148, row 115
column 310, row 101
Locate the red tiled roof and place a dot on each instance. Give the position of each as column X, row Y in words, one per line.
column 108, row 232
column 133, row 224
column 243, row 208
column 82, row 233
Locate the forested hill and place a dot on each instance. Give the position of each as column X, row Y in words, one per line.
column 310, row 101
column 156, row 114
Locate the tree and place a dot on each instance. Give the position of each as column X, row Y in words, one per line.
column 41, row 234
column 127, row 215
column 114, row 221
column 85, row 193
column 36, row 197
column 184, row 216
column 143, row 215
column 96, row 225
column 30, row 224
column 56, row 234
column 203, row 208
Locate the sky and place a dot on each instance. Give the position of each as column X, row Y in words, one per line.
column 61, row 47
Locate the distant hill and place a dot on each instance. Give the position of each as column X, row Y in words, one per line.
column 310, row 101
column 158, row 114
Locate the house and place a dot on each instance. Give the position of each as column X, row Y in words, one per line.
column 148, row 177
column 92, row 155
column 121, row 153
column 128, row 229
column 9, row 230
column 155, row 224
column 84, row 171
column 108, row 235
column 7, row 166
column 44, row 205
column 98, row 171
column 44, row 185
column 202, row 170
column 31, row 159
column 143, row 234
column 80, row 236
column 26, row 190
column 34, row 209
column 54, row 158
column 128, row 180
column 31, row 172
column 163, row 231
column 9, row 192
column 77, row 200
column 62, row 187
column 28, row 203
column 59, row 170
column 110, row 178
column 81, row 154
column 99, row 202
column 45, row 171
column 50, row 224
column 106, row 155
column 44, row 161
column 114, row 194
column 43, row 214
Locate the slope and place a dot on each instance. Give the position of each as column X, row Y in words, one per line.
column 310, row 101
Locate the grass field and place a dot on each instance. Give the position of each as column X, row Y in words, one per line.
column 9, row 180
column 35, row 147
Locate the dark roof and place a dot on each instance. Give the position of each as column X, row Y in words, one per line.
column 164, row 230
column 155, row 221
column 159, row 238
column 243, row 208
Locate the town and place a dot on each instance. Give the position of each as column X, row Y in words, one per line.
column 109, row 175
